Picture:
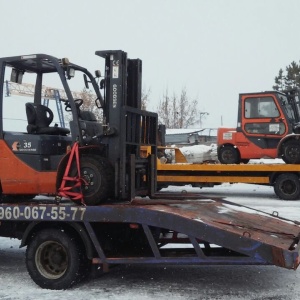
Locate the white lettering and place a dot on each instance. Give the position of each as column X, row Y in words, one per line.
column 115, row 95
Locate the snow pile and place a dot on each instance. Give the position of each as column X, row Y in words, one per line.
column 200, row 153
column 203, row 153
column 267, row 161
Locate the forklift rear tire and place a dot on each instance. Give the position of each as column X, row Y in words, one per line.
column 228, row 155
column 291, row 152
column 55, row 260
column 287, row 187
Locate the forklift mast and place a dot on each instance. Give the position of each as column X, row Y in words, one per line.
column 128, row 127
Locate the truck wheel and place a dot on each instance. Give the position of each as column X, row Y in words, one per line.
column 291, row 152
column 228, row 155
column 287, row 187
column 55, row 260
column 97, row 173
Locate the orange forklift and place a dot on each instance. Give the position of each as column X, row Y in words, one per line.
column 268, row 126
column 90, row 162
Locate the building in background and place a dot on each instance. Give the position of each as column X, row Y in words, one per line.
column 184, row 137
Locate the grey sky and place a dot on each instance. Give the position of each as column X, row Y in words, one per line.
column 214, row 48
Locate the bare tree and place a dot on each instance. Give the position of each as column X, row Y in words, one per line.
column 177, row 112
column 145, row 98
column 164, row 110
column 89, row 104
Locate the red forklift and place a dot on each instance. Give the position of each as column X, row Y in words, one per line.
column 268, row 126
column 90, row 161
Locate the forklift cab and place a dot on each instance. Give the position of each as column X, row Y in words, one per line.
column 32, row 126
column 262, row 115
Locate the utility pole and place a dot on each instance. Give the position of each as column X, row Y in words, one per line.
column 202, row 114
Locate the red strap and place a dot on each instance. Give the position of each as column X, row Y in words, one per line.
column 76, row 182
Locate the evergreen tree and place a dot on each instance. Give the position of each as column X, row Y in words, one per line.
column 288, row 79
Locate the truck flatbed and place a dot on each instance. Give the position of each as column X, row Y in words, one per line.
column 219, row 173
column 283, row 177
column 209, row 231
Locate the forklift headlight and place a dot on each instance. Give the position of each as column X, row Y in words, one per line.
column 70, row 72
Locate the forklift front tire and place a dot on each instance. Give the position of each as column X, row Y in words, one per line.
column 228, row 155
column 291, row 152
column 98, row 177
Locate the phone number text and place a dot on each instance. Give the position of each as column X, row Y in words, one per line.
column 61, row 213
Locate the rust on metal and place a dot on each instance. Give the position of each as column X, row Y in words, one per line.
column 277, row 238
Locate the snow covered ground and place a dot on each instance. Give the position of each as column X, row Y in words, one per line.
column 175, row 282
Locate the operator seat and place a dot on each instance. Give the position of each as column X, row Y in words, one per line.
column 39, row 118
column 89, row 124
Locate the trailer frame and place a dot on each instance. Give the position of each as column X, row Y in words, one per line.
column 168, row 229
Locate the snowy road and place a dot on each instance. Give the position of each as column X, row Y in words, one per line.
column 175, row 282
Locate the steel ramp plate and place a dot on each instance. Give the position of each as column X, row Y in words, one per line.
column 248, row 231
column 264, row 238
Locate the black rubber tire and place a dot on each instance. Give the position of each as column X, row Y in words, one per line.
column 291, row 152
column 228, row 155
column 245, row 161
column 98, row 173
column 55, row 260
column 109, row 173
column 287, row 187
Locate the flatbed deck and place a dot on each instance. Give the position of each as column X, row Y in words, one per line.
column 283, row 177
column 209, row 231
column 220, row 173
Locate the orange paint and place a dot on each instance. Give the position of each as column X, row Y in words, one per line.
column 19, row 178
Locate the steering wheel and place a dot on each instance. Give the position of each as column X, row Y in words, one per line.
column 78, row 103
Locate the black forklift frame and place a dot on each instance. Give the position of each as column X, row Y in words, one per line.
column 40, row 64
column 129, row 127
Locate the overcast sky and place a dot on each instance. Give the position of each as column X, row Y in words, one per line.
column 216, row 49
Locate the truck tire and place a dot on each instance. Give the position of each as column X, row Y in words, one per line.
column 228, row 155
column 291, row 152
column 55, row 260
column 287, row 187
column 98, row 173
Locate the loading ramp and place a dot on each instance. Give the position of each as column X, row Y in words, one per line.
column 174, row 230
